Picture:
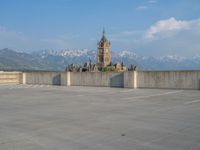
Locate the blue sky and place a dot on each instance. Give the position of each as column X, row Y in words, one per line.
column 147, row 27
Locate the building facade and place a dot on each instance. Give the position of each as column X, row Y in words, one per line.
column 103, row 60
column 103, row 52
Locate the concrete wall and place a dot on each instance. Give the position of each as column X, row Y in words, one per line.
column 46, row 78
column 134, row 79
column 169, row 79
column 10, row 78
column 106, row 79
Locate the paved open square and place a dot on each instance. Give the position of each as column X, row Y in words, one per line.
column 39, row 117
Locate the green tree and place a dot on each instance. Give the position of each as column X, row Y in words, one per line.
column 109, row 69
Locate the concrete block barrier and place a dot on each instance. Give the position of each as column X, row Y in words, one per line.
column 132, row 79
column 10, row 77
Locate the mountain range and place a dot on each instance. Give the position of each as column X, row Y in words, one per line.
column 51, row 60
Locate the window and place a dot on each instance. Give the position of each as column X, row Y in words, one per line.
column 101, row 59
column 101, row 51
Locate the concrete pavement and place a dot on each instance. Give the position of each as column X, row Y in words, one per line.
column 38, row 117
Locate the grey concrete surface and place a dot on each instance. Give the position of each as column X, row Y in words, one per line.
column 47, row 78
column 98, row 79
column 38, row 117
column 169, row 79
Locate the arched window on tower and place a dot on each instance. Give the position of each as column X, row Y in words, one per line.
column 101, row 59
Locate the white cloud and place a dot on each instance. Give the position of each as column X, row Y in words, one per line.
column 172, row 36
column 141, row 7
column 164, row 37
column 152, row 1
column 146, row 6
column 166, row 28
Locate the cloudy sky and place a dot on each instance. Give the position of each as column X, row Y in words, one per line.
column 147, row 27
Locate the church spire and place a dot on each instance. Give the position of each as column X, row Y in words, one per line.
column 104, row 39
column 104, row 33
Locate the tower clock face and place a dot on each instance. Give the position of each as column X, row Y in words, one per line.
column 106, row 50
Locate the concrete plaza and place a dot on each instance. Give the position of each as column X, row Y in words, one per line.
column 38, row 117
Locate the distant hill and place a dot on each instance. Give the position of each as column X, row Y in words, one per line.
column 12, row 60
column 58, row 60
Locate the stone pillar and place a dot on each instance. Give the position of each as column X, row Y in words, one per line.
column 65, row 79
column 135, row 79
column 68, row 79
column 23, row 78
column 130, row 79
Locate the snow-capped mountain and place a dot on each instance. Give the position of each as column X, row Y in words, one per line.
column 64, row 53
column 126, row 53
column 58, row 60
column 170, row 58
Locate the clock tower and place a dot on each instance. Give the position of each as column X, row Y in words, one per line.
column 103, row 54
